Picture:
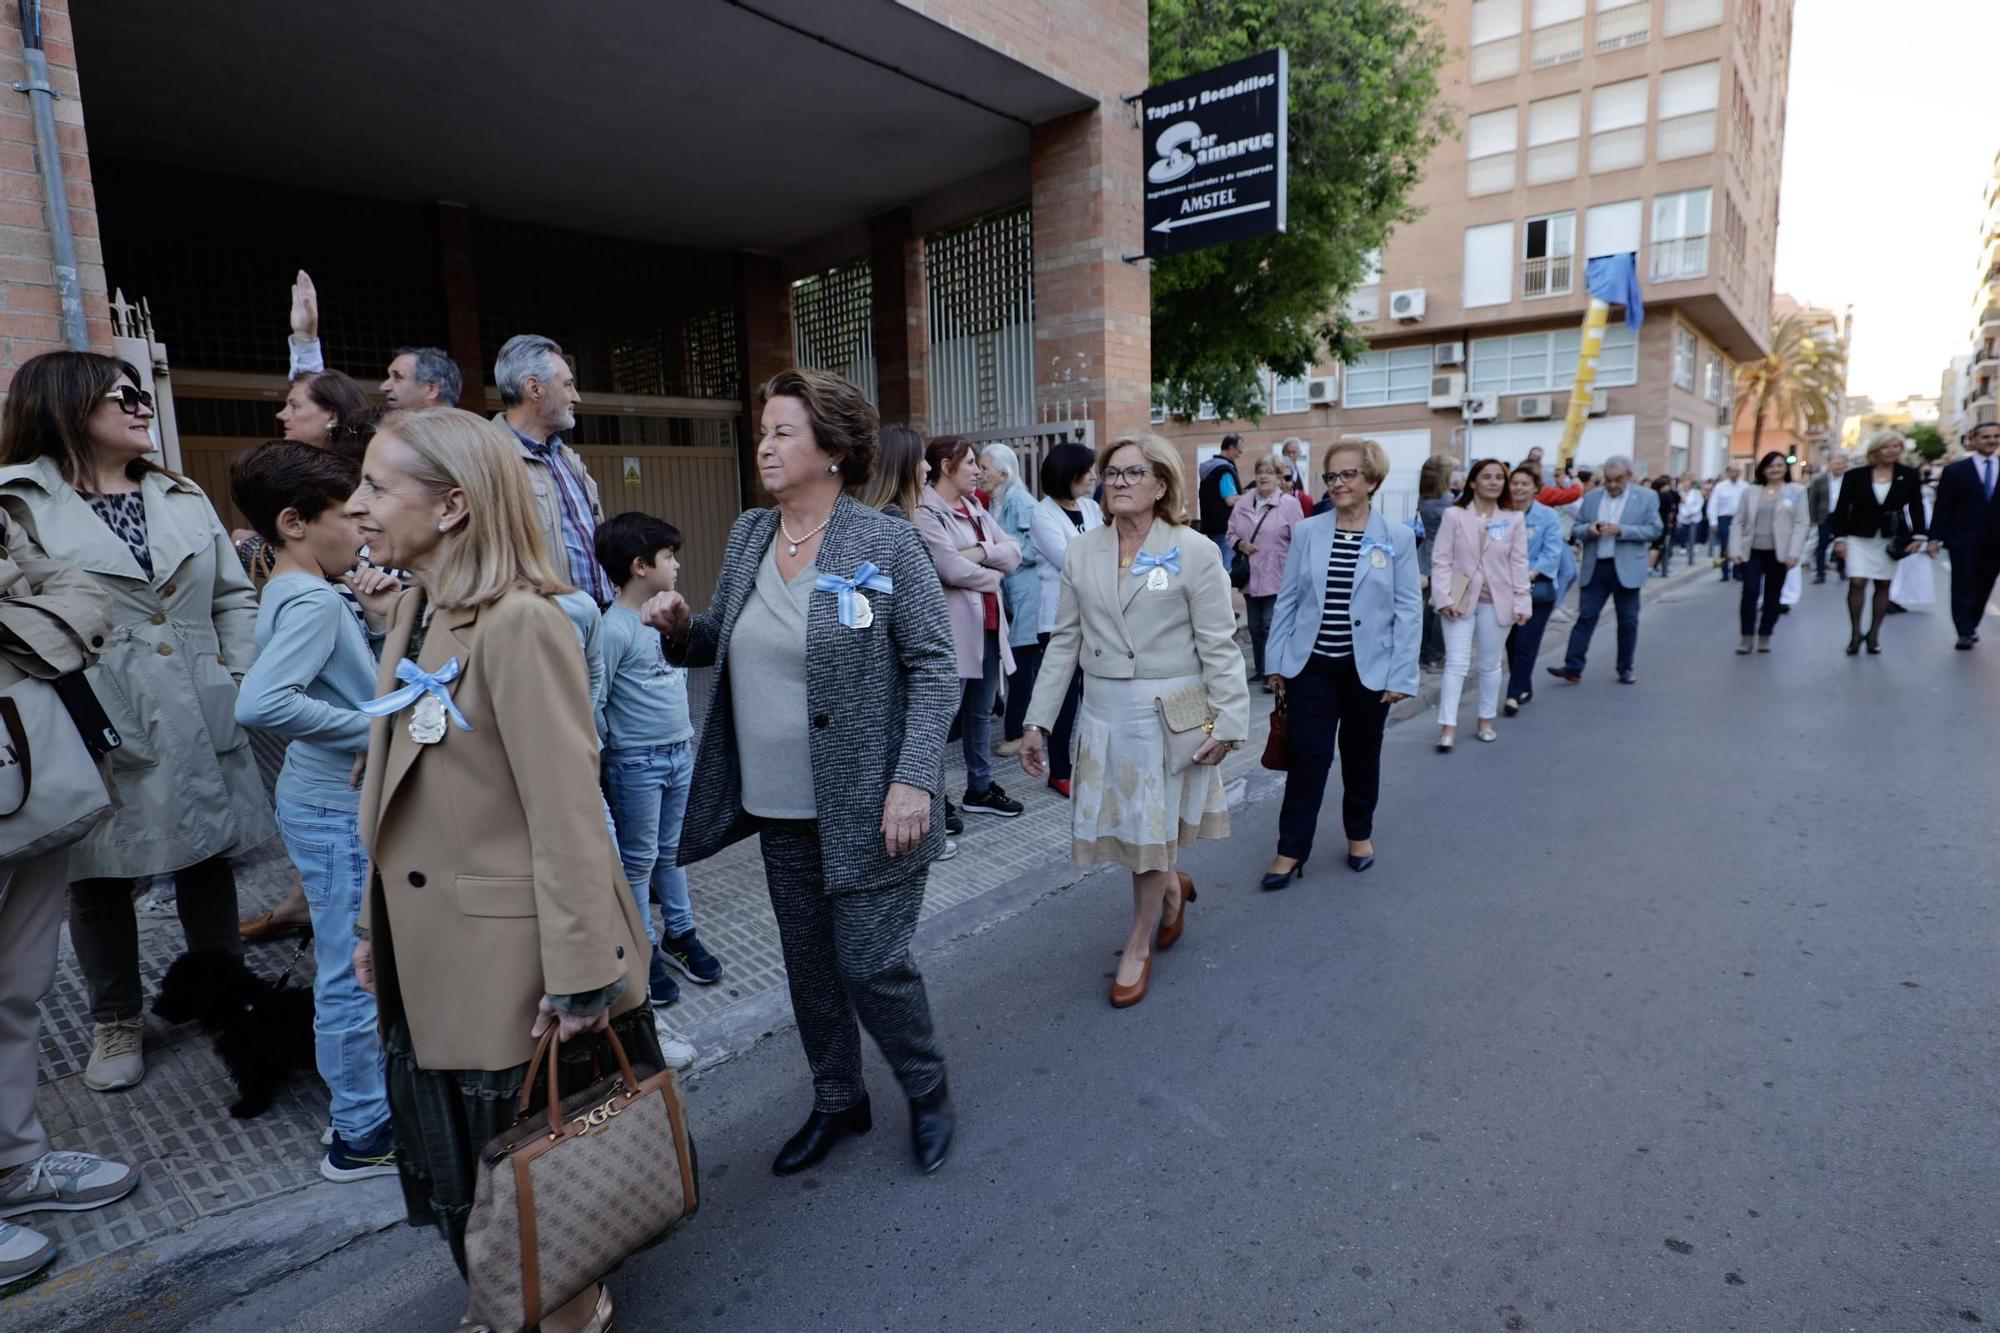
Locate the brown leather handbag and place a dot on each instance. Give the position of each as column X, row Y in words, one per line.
column 1277, row 750
column 563, row 1198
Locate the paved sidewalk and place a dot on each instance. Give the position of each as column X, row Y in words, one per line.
column 233, row 1202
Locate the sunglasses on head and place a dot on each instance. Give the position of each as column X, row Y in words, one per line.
column 130, row 399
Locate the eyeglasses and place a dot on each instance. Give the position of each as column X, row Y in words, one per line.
column 130, row 399
column 1347, row 476
column 1126, row 476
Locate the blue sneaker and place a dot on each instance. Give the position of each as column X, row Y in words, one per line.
column 661, row 988
column 373, row 1156
column 695, row 962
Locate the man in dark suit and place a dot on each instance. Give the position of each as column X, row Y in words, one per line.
column 1966, row 523
column 1822, row 496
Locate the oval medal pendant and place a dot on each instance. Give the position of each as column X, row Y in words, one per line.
column 427, row 720
column 864, row 614
column 1157, row 580
column 1377, row 559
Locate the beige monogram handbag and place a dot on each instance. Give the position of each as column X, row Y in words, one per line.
column 563, row 1198
column 1187, row 720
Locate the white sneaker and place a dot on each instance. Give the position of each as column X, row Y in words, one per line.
column 116, row 1058
column 22, row 1252
column 64, row 1182
column 677, row 1052
column 950, row 850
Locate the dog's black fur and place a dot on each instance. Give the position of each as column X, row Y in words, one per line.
column 264, row 1033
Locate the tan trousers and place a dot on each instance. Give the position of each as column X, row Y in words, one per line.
column 32, row 895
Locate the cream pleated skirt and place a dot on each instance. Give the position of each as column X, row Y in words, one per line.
column 1127, row 808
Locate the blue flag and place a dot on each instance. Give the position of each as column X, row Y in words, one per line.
column 1615, row 279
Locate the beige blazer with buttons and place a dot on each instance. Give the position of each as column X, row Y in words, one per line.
column 1111, row 623
column 494, row 880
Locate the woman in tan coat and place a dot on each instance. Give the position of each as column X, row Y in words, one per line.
column 77, row 473
column 497, row 906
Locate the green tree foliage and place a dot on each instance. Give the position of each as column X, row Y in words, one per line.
column 1927, row 441
column 1797, row 385
column 1364, row 116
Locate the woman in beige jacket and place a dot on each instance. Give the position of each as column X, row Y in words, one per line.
column 496, row 906
column 1145, row 612
column 1769, row 539
column 77, row 473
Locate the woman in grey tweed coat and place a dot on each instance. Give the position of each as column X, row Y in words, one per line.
column 835, row 685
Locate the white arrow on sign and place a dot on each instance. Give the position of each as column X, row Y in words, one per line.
column 1171, row 223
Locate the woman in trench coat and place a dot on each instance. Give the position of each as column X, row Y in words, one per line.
column 77, row 472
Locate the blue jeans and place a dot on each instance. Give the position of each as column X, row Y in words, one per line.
column 1685, row 539
column 975, row 718
column 647, row 786
column 1590, row 601
column 325, row 847
column 1722, row 526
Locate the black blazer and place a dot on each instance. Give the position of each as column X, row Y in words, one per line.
column 1964, row 516
column 1859, row 515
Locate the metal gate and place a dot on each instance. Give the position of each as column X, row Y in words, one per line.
column 981, row 283
column 833, row 323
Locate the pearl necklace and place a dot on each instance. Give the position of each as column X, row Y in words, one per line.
column 802, row 538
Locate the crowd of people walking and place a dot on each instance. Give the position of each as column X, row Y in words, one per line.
column 493, row 786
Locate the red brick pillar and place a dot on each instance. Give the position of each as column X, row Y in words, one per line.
column 902, row 342
column 765, row 348
column 1085, row 186
column 461, row 303
column 29, row 305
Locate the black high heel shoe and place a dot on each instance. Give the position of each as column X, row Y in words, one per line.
column 1874, row 644
column 1279, row 879
column 1360, row 863
column 1854, row 645
column 817, row 1136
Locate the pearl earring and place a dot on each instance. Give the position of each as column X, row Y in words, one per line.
column 444, row 527
column 833, row 469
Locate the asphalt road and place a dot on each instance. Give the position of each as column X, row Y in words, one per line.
column 1673, row 1010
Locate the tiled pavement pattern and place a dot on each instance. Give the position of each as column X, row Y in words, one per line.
column 198, row 1162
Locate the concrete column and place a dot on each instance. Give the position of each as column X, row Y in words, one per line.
column 902, row 342
column 764, row 345
column 1086, row 192
column 461, row 303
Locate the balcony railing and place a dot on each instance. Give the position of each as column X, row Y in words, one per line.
column 1495, row 60
column 1615, row 150
column 1551, row 275
column 1552, row 162
column 1490, row 174
column 1680, row 258
column 1629, row 26
column 1687, row 136
column 1557, row 44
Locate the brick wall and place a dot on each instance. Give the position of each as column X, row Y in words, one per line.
column 29, row 319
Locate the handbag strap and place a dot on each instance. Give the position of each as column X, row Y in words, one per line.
column 547, row 1049
column 24, row 755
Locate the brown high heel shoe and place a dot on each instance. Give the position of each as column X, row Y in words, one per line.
column 1124, row 997
column 1170, row 931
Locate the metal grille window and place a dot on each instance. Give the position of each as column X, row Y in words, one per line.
column 981, row 281
column 833, row 322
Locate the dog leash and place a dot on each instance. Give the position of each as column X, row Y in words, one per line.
column 297, row 953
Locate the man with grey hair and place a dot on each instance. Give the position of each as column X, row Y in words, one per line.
column 1617, row 524
column 538, row 391
column 1294, row 457
column 419, row 378
column 1822, row 496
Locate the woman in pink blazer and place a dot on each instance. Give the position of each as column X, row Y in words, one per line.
column 1479, row 585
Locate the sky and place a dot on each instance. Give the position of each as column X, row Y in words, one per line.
column 1890, row 134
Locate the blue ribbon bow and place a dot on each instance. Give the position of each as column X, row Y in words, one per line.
column 866, row 575
column 419, row 682
column 1370, row 544
column 1497, row 529
column 1145, row 560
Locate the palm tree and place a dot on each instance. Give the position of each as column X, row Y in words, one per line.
column 1800, row 382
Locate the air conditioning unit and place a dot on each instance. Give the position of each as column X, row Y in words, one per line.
column 1447, row 392
column 1483, row 407
column 1534, row 407
column 1449, row 354
column 1600, row 402
column 1407, row 305
column 1323, row 389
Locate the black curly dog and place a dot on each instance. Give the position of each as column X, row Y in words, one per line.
column 264, row 1033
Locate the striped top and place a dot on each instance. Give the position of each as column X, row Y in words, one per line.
column 1336, row 631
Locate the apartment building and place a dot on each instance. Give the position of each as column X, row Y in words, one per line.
column 1976, row 387
column 1589, row 127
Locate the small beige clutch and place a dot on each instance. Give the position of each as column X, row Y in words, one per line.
column 1186, row 720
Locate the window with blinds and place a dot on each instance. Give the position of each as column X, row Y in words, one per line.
column 1618, row 125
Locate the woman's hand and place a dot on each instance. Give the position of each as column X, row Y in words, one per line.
column 1792, row 563
column 376, row 590
column 1212, row 751
column 1522, row 617
column 305, row 308
column 975, row 553
column 1450, row 613
column 354, row 774
column 906, row 818
column 667, row 612
column 568, row 1026
column 1034, row 753
column 1392, row 698
column 1277, row 684
column 364, row 965
column 1247, row 546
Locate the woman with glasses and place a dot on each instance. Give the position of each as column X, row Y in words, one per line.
column 1551, row 569
column 77, row 472
column 1343, row 650
column 1145, row 611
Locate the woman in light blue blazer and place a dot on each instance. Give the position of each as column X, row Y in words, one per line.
column 1551, row 569
column 1013, row 508
column 1342, row 650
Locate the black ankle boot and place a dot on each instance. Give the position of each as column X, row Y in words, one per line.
column 817, row 1136
column 931, row 1125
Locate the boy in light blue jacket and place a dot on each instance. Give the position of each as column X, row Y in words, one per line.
column 315, row 663
column 649, row 746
